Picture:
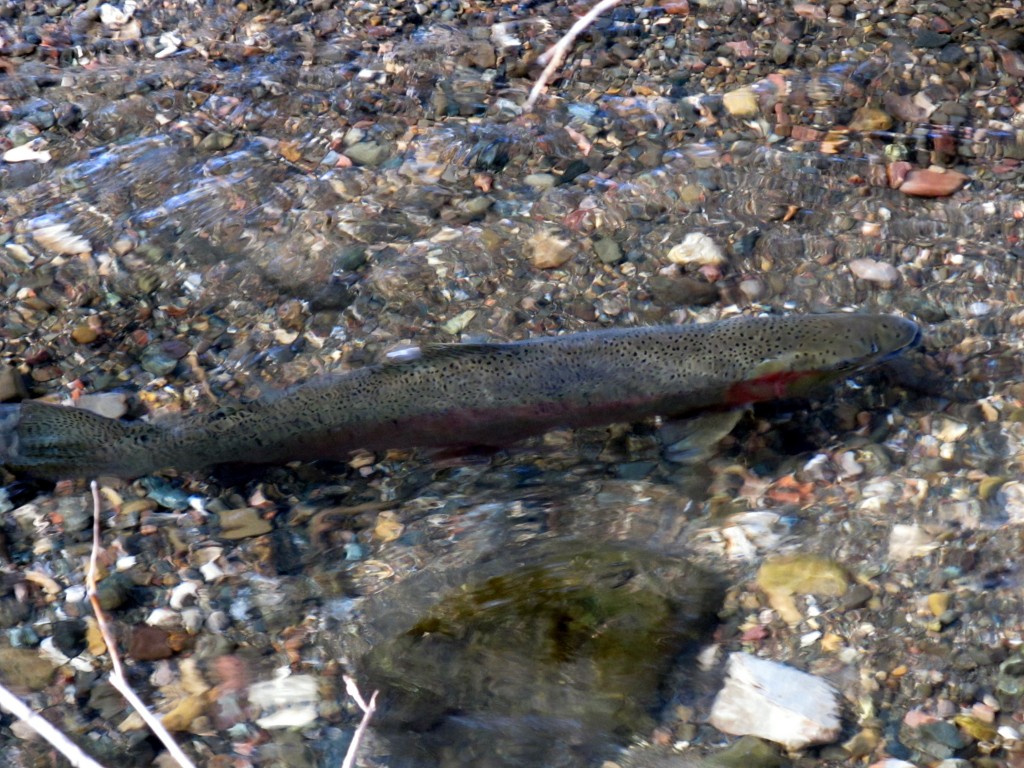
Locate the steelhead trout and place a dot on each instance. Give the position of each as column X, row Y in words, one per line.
column 471, row 394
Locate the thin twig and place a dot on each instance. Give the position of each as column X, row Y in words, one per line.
column 117, row 676
column 368, row 709
column 40, row 725
column 555, row 55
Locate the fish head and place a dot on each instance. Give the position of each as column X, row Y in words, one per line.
column 804, row 353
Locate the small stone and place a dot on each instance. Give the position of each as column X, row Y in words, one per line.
column 907, row 541
column 113, row 405
column 697, row 249
column 949, row 430
column 541, row 180
column 748, row 752
column 368, row 153
column 682, row 291
column 11, row 385
column 930, row 182
column 84, row 334
column 151, row 643
column 788, row 575
column 548, row 251
column 928, row 38
column 607, row 250
column 286, row 702
column 938, row 603
column 775, row 702
column 741, row 103
column 217, row 140
column 23, row 668
column 870, row 119
column 157, row 361
column 185, row 712
column 874, row 271
column 69, row 636
column 388, row 528
column 243, row 523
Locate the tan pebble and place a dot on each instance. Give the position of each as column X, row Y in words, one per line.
column 896, row 173
column 870, row 119
column 697, row 249
column 94, row 641
column 243, row 523
column 975, row 728
column 988, row 486
column 930, row 182
column 388, row 528
column 741, row 103
column 782, row 577
column 949, row 430
column 184, row 713
column 874, row 271
column 83, row 334
column 138, row 506
column 938, row 603
column 548, row 251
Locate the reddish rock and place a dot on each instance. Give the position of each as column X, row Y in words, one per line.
column 932, row 183
column 897, row 172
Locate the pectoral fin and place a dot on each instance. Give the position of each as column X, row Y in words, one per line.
column 690, row 441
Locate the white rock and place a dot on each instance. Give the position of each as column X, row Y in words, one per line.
column 288, row 701
column 907, row 541
column 24, row 153
column 697, row 248
column 775, row 702
column 873, row 271
column 57, row 237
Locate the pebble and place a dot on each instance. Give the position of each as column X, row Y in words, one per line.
column 932, row 182
column 25, row 668
column 775, row 702
column 540, row 180
column 741, row 103
column 288, row 701
column 697, row 249
column 785, row 576
column 548, row 251
column 909, row 541
column 243, row 523
column 84, row 334
column 874, row 271
column 607, row 250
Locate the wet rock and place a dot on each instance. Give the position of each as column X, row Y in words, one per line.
column 874, row 271
column 151, row 643
column 783, row 577
column 12, row 387
column 547, row 251
column 909, row 541
column 775, row 702
column 937, row 740
column 69, row 636
column 607, row 250
column 289, row 701
column 930, row 182
column 697, row 249
column 513, row 659
column 870, row 119
column 243, row 523
column 369, row 153
column 23, row 668
column 682, row 291
column 748, row 752
column 741, row 103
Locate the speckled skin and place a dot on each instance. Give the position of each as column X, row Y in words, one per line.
column 472, row 394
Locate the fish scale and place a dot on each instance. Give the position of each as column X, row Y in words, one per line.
column 472, row 395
